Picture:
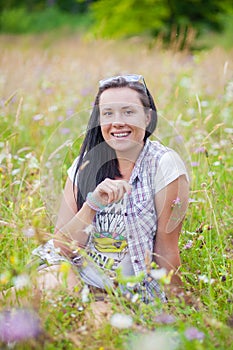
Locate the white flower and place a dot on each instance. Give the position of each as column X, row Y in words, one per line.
column 53, row 108
column 158, row 340
column 21, row 281
column 29, row 232
column 205, row 279
column 121, row 321
column 158, row 273
column 84, row 294
column 15, row 172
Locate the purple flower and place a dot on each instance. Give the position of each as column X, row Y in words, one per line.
column 165, row 318
column 60, row 118
column 200, row 150
column 176, row 202
column 193, row 333
column 64, row 131
column 179, row 139
column 191, row 200
column 69, row 112
column 38, row 117
column 18, row 324
column 188, row 245
column 194, row 163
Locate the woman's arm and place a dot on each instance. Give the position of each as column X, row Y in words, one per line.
column 171, row 204
column 71, row 224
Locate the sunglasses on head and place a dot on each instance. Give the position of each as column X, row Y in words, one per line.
column 129, row 78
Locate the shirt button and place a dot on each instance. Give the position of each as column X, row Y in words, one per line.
column 136, row 261
column 130, row 236
column 126, row 214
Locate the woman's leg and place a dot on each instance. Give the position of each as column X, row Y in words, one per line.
column 51, row 277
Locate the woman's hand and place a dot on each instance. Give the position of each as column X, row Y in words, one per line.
column 111, row 191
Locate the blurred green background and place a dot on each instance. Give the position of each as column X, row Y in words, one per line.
column 197, row 23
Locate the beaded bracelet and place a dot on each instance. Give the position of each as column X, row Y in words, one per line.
column 93, row 203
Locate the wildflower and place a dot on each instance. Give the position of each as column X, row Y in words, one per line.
column 193, row 164
column 179, row 139
column 29, row 232
column 69, row 112
column 229, row 130
column 205, row 279
column 217, row 163
column 60, row 118
column 121, row 321
column 84, row 294
column 38, row 117
column 53, row 108
column 204, row 103
column 15, row 172
column 165, row 318
column 193, row 333
column 64, row 131
column 158, row 274
column 156, row 340
column 191, row 200
column 176, row 202
column 21, row 281
column 189, row 244
column 18, row 324
column 200, row 150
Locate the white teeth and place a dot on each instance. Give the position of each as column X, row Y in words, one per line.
column 123, row 134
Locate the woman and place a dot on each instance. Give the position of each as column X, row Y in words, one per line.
column 125, row 196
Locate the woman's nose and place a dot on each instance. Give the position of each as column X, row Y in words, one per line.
column 118, row 119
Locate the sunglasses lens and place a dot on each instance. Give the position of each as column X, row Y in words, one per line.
column 130, row 78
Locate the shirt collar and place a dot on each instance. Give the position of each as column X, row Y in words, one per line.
column 137, row 168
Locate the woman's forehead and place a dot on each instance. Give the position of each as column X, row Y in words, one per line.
column 123, row 96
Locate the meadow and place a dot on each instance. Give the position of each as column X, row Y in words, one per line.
column 47, row 88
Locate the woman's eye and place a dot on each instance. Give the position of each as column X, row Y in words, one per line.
column 107, row 114
column 128, row 112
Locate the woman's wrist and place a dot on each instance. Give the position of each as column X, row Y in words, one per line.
column 93, row 203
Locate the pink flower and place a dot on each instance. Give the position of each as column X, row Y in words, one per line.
column 200, row 150
column 188, row 245
column 176, row 202
column 18, row 324
column 165, row 318
column 193, row 333
column 64, row 131
column 193, row 164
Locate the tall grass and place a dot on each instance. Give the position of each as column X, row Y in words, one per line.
column 47, row 88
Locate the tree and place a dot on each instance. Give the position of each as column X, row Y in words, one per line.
column 120, row 18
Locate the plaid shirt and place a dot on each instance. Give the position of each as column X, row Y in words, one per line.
column 140, row 215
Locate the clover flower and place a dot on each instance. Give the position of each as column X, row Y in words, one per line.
column 176, row 202
column 18, row 324
column 188, row 245
column 193, row 333
column 121, row 321
column 165, row 318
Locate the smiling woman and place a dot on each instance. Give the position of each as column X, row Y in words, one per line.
column 119, row 197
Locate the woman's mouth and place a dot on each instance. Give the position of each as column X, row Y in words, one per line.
column 121, row 134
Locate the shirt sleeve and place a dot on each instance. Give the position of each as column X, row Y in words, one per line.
column 170, row 167
column 71, row 171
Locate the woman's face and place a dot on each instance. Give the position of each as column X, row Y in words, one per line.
column 123, row 119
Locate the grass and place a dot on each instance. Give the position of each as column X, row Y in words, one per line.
column 47, row 87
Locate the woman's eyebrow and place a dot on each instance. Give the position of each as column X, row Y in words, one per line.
column 106, row 108
column 129, row 106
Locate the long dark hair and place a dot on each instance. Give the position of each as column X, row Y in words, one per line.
column 97, row 160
